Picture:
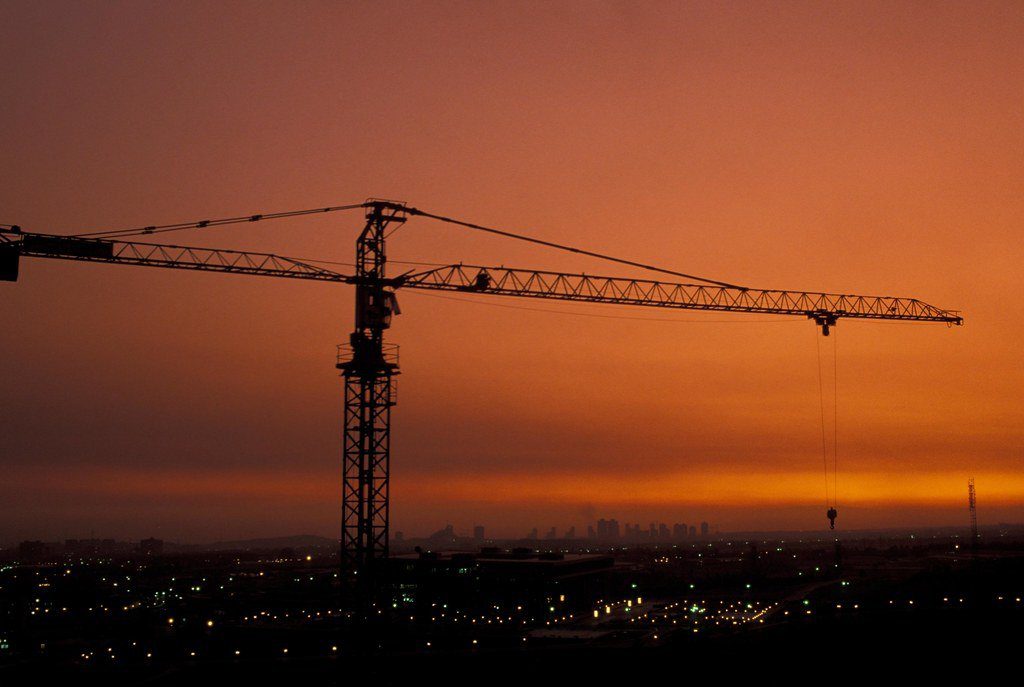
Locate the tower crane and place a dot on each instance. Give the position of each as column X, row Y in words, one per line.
column 369, row 365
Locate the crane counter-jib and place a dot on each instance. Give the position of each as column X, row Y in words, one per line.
column 16, row 244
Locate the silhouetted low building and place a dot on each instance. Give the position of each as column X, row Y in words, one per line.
column 34, row 551
column 151, row 547
column 444, row 536
column 95, row 548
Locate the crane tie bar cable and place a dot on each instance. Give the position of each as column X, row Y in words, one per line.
column 571, row 249
column 202, row 224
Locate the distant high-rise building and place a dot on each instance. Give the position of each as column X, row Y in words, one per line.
column 591, row 534
column 663, row 531
column 972, row 506
column 679, row 531
column 571, row 532
column 552, row 533
column 613, row 529
column 602, row 529
column 652, row 531
column 704, row 529
column 533, row 534
column 478, row 532
column 693, row 531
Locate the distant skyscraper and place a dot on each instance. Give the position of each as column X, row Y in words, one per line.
column 602, row 529
column 533, row 534
column 571, row 532
column 704, row 529
column 613, row 529
column 591, row 534
column 478, row 532
column 652, row 531
column 552, row 533
column 693, row 531
column 972, row 506
column 679, row 531
column 663, row 531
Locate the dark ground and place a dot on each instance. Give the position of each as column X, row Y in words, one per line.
column 909, row 612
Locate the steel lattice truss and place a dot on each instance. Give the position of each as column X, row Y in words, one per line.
column 615, row 290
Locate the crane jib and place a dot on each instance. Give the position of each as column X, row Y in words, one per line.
column 823, row 308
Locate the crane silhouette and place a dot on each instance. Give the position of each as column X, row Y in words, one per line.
column 368, row 364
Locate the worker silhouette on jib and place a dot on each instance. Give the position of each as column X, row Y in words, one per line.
column 831, row 514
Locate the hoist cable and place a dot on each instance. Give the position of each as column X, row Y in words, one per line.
column 821, row 399
column 835, row 417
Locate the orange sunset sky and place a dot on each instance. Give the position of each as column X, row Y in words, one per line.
column 860, row 147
